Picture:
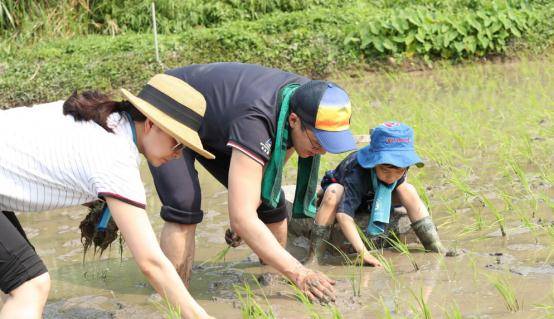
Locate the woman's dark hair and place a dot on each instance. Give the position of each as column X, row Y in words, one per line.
column 97, row 106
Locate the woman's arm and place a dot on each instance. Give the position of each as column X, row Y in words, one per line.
column 350, row 231
column 141, row 240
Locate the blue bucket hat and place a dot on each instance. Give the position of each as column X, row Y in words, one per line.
column 391, row 143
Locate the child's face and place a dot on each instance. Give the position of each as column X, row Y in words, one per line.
column 389, row 174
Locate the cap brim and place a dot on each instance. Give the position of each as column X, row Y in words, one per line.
column 369, row 158
column 336, row 142
column 176, row 129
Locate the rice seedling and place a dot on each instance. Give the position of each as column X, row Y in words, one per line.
column 474, row 268
column 546, row 174
column 452, row 212
column 169, row 310
column 497, row 214
column 422, row 308
column 334, row 312
column 305, row 301
column 478, row 222
column 526, row 220
column 386, row 310
column 402, row 248
column 507, row 291
column 416, row 182
column 548, row 200
column 453, row 312
column 388, row 266
column 354, row 270
column 516, row 168
column 457, row 181
column 385, row 263
column 250, row 308
column 548, row 305
column 507, row 199
column 219, row 257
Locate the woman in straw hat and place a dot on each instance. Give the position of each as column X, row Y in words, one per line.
column 78, row 151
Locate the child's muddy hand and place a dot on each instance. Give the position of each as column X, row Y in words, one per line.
column 232, row 238
column 371, row 261
column 317, row 286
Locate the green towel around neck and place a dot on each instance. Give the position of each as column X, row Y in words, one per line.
column 307, row 176
column 380, row 209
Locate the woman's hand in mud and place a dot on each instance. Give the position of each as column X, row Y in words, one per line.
column 371, row 261
column 232, row 238
column 316, row 285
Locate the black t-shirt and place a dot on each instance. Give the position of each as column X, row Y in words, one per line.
column 358, row 189
column 241, row 105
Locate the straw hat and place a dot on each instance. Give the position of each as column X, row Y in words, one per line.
column 175, row 107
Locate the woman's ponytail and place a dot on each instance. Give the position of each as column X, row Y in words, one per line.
column 96, row 106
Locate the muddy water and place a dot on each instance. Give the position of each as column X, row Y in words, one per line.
column 110, row 287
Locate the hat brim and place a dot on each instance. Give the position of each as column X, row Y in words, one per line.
column 176, row 129
column 336, row 142
column 399, row 158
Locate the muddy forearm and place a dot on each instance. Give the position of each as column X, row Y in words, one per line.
column 163, row 277
column 245, row 179
column 141, row 240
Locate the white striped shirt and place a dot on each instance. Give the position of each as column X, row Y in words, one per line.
column 49, row 160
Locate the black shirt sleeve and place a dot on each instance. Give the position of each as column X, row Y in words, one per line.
column 250, row 134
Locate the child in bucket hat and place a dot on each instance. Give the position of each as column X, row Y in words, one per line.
column 374, row 176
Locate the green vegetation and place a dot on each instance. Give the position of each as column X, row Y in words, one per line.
column 422, row 308
column 453, row 312
column 168, row 309
column 387, row 264
column 219, row 257
column 484, row 131
column 354, row 269
column 548, row 306
column 506, row 290
column 48, row 49
column 250, row 308
column 402, row 248
column 447, row 33
column 69, row 17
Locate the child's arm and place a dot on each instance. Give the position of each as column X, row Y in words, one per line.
column 350, row 231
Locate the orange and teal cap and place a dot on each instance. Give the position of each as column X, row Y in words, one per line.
column 325, row 108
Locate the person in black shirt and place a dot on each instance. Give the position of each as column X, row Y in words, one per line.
column 239, row 128
column 383, row 164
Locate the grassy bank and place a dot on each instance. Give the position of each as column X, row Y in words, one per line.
column 42, row 62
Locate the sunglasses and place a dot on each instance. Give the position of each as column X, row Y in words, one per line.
column 315, row 145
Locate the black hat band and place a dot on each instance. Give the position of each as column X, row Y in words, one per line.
column 168, row 105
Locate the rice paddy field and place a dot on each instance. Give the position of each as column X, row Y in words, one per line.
column 486, row 133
